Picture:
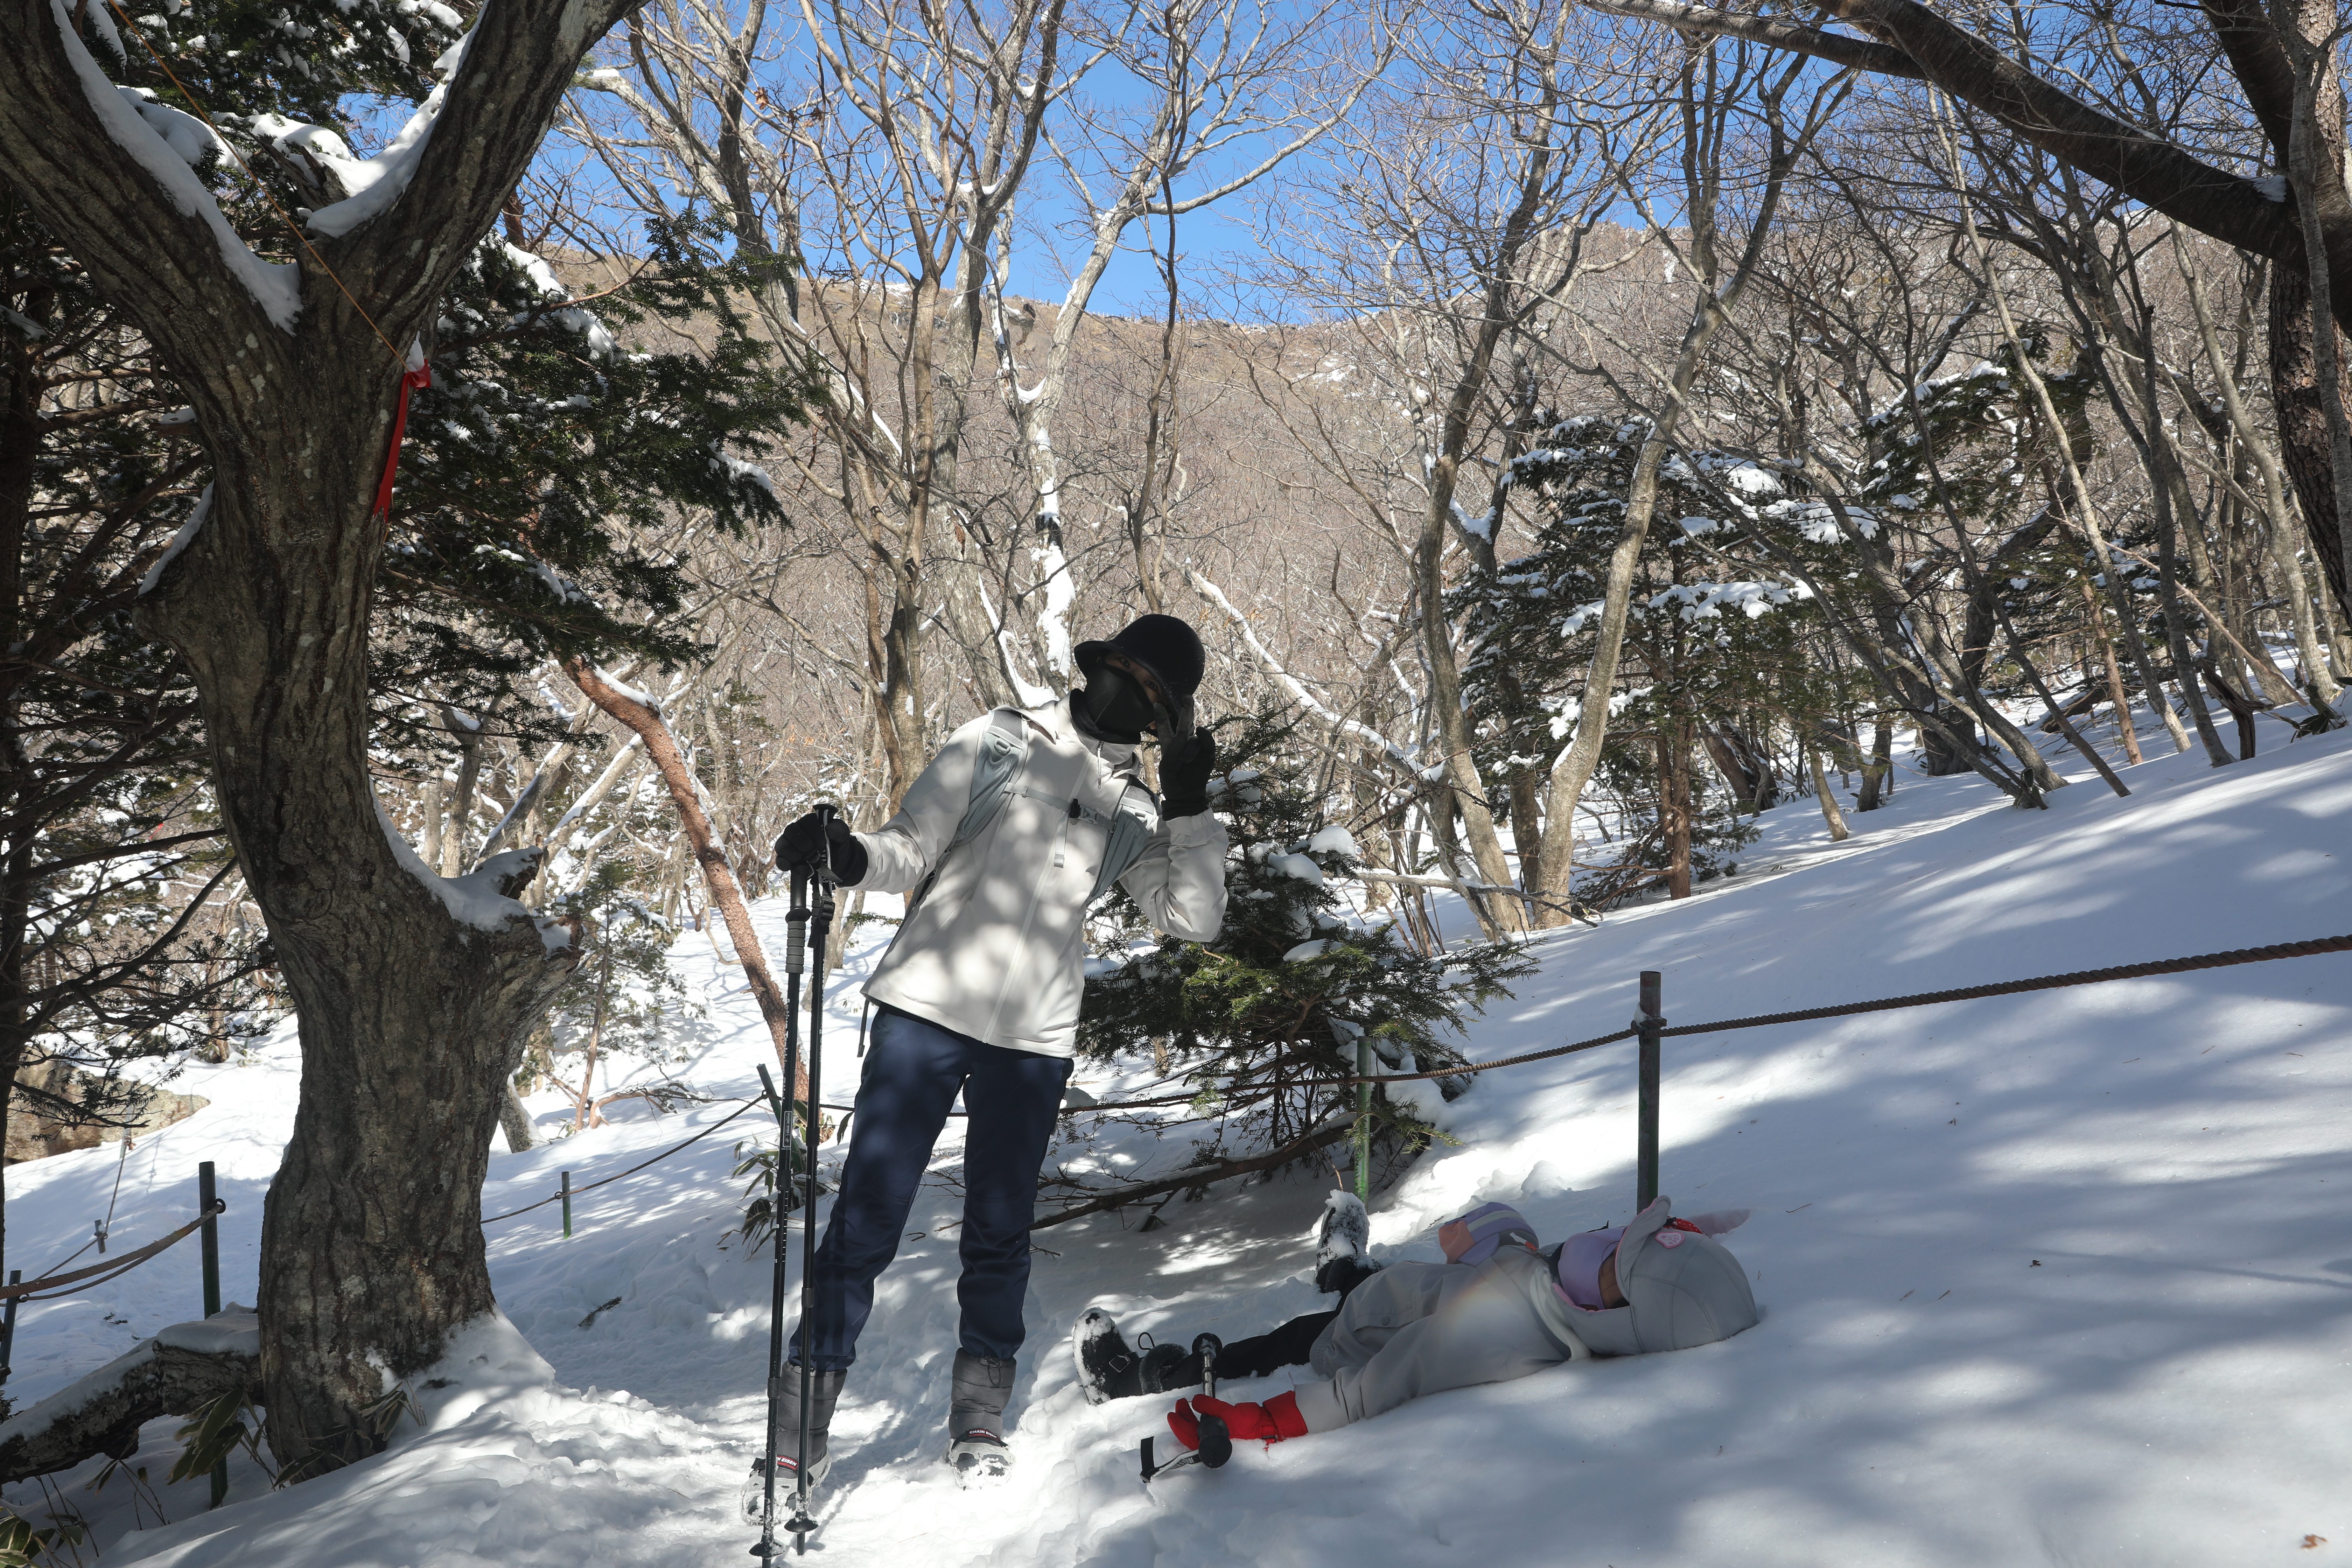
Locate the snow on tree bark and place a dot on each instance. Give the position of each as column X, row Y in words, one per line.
column 410, row 1018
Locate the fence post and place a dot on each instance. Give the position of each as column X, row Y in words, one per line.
column 1364, row 1120
column 208, row 1238
column 1649, row 1021
column 9, row 1330
column 567, row 1205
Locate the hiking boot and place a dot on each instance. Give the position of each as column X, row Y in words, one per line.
column 1343, row 1245
column 980, row 1388
column 824, row 1391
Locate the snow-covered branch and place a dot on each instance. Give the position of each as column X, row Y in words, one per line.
column 1216, row 596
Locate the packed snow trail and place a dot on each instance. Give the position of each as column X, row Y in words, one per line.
column 2063, row 1278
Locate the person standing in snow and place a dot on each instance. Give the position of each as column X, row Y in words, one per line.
column 1002, row 843
column 1498, row 1308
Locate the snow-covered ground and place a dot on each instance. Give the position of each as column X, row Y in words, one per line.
column 2064, row 1277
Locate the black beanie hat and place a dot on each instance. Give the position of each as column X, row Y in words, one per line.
column 1165, row 646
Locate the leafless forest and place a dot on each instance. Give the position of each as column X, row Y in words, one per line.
column 1586, row 427
column 1575, row 429
column 1951, row 437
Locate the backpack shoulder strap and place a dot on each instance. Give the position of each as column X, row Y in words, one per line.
column 1127, row 835
column 1002, row 751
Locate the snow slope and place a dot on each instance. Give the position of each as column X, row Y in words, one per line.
column 2065, row 1277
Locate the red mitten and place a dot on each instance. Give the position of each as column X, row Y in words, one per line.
column 1276, row 1419
column 1186, row 1425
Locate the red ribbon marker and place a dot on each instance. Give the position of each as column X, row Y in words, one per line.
column 421, row 376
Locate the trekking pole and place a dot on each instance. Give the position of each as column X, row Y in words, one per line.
column 821, row 915
column 797, row 925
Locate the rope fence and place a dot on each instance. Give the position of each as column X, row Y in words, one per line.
column 45, row 1289
column 571, row 1192
column 2310, row 949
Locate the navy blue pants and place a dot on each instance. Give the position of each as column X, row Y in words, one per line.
column 913, row 1071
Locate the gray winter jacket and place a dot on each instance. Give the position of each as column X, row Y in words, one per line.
column 996, row 947
column 1419, row 1328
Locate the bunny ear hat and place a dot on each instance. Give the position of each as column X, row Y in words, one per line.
column 1683, row 1288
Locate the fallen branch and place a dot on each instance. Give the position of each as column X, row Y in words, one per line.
column 1201, row 1175
column 645, row 721
column 178, row 1373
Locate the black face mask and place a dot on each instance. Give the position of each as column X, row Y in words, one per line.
column 1112, row 706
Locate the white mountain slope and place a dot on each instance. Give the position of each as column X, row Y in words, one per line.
column 2167, row 1387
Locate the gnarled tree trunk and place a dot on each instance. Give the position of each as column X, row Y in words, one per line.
column 415, row 994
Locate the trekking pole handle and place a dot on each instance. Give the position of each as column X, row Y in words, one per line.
column 796, row 918
column 825, row 817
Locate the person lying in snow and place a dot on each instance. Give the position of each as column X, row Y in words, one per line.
column 1497, row 1307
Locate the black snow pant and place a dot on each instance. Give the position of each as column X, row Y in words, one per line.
column 1261, row 1355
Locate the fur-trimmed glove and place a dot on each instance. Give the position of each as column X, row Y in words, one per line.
column 1276, row 1419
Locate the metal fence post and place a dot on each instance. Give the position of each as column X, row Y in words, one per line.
column 8, row 1329
column 1364, row 1120
column 567, row 1205
column 1649, row 1022
column 209, row 1237
column 209, row 1241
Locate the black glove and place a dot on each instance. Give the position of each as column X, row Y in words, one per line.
column 1184, row 770
column 801, row 848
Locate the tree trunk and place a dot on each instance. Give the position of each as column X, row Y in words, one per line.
column 452, row 839
column 1839, row 832
column 415, row 996
column 2306, row 447
column 1879, row 773
column 2125, row 727
column 584, row 1104
column 2242, row 708
column 1674, row 802
column 515, row 1119
column 1750, row 776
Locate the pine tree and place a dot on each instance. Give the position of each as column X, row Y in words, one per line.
column 1260, row 1022
column 1711, row 638
column 317, row 643
column 121, row 936
column 625, row 999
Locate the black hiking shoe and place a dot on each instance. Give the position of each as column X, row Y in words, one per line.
column 1110, row 1368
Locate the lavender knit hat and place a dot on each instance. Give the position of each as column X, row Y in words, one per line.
column 1473, row 1238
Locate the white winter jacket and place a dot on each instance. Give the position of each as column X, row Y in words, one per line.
column 996, row 950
